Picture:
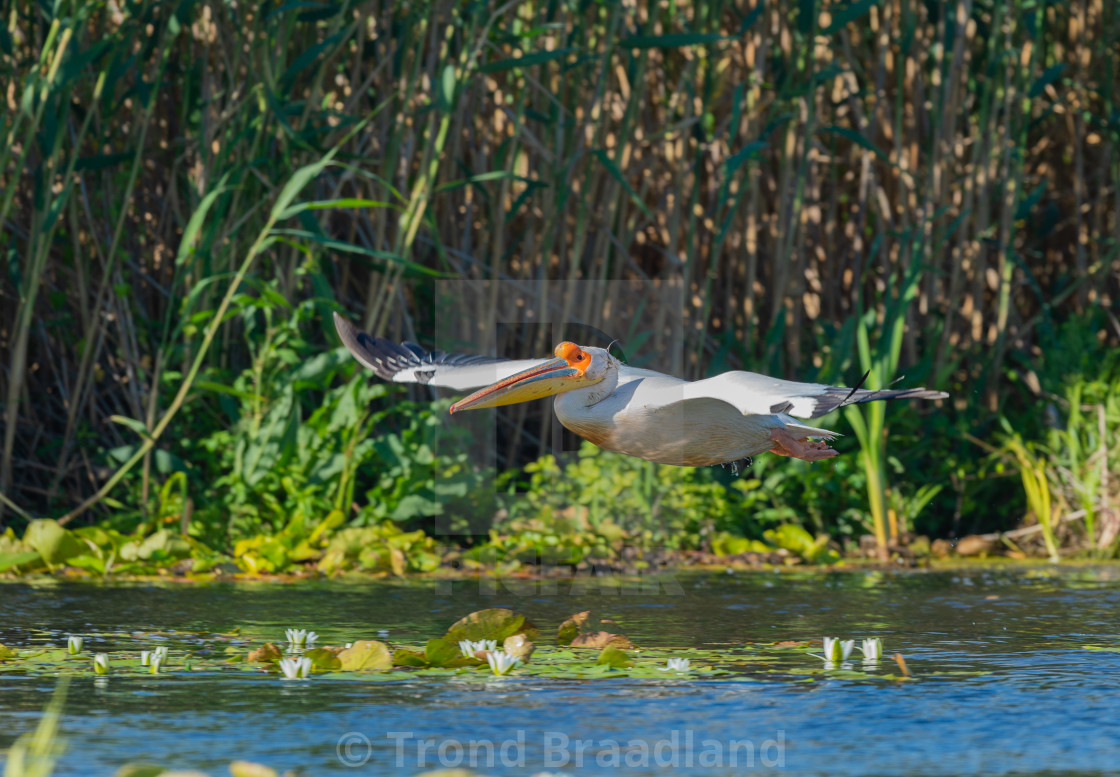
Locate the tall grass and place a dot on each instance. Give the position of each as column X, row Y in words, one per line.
column 783, row 165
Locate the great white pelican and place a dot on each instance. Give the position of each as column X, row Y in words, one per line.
column 726, row 419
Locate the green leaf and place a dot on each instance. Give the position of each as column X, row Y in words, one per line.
column 409, row 658
column 443, row 652
column 614, row 658
column 366, row 655
column 198, row 218
column 447, row 88
column 671, row 41
column 10, row 560
column 306, row 58
column 612, row 168
column 324, row 658
column 752, row 17
column 100, row 161
column 88, row 563
column 528, row 60
column 345, row 202
column 52, row 542
column 850, row 13
column 806, row 16
column 131, row 423
column 351, row 248
column 300, row 178
column 855, row 137
column 496, row 624
column 1049, row 76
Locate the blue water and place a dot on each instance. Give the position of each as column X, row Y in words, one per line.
column 1002, row 683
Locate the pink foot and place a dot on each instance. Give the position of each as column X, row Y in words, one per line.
column 785, row 444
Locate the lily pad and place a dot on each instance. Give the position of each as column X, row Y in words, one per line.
column 6, row 653
column 613, row 657
column 52, row 542
column 495, row 623
column 325, row 658
column 445, row 653
column 366, row 655
column 584, row 622
column 402, row 657
column 438, row 653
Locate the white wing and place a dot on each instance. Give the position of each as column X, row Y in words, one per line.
column 409, row 363
column 755, row 394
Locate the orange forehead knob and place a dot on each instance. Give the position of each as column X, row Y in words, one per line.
column 570, row 352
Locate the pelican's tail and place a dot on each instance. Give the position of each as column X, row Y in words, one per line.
column 801, row 431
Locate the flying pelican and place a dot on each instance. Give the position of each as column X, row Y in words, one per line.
column 721, row 420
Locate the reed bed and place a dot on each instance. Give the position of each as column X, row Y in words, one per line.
column 788, row 170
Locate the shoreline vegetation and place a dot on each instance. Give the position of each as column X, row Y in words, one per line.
column 189, row 191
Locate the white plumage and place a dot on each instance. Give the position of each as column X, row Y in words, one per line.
column 642, row 413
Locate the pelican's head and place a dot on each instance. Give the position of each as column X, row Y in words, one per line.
column 574, row 367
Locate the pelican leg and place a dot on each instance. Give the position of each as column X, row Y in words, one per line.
column 785, row 444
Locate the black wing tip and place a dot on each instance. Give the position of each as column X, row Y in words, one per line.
column 388, row 359
column 839, row 397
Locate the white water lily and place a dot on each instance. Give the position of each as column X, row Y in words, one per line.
column 145, row 658
column 74, row 645
column 469, row 648
column 156, row 659
column 501, row 662
column 295, row 668
column 872, row 649
column 837, row 650
column 301, row 638
column 101, row 663
column 676, row 665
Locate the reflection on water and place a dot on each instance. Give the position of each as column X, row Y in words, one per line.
column 1002, row 682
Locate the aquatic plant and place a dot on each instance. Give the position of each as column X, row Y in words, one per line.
column 301, row 638
column 501, row 663
column 101, row 663
column 74, row 645
column 295, row 668
column 676, row 665
column 872, row 649
column 837, row 650
column 34, row 754
column 469, row 648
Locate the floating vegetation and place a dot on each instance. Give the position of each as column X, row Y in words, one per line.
column 483, row 644
column 469, row 648
column 677, row 665
column 101, row 663
column 295, row 668
column 837, row 650
column 301, row 638
column 501, row 663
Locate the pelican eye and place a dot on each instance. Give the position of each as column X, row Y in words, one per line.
column 571, row 353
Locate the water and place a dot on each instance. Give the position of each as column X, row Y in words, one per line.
column 1002, row 681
